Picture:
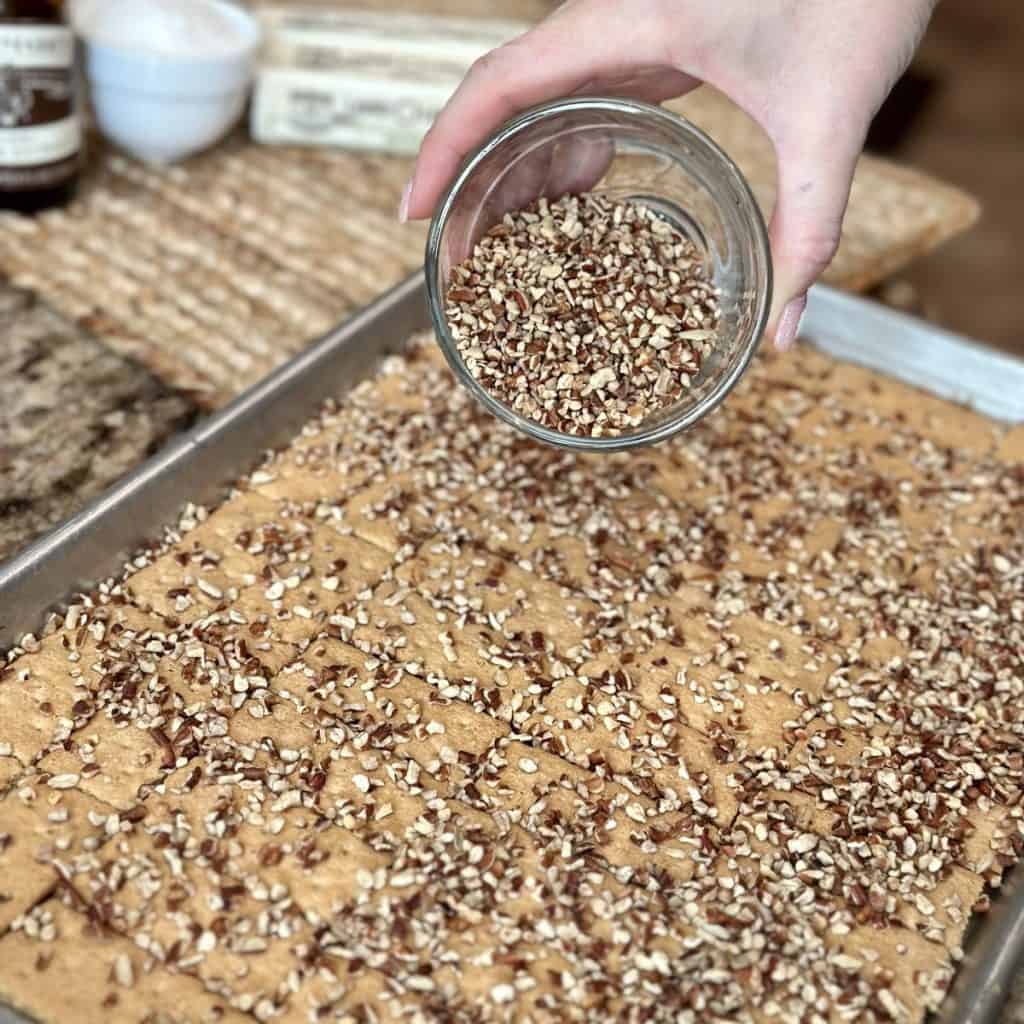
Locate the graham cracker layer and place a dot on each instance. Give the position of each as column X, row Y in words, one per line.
column 427, row 720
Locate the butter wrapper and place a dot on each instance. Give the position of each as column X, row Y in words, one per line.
column 362, row 79
column 353, row 111
column 387, row 31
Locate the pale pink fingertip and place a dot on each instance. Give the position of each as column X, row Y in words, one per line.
column 789, row 324
column 403, row 207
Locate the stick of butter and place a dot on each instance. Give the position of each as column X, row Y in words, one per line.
column 362, row 79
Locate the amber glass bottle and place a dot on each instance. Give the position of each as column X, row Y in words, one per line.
column 40, row 130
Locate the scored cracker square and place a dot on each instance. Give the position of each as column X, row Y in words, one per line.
column 264, row 566
column 46, row 823
column 424, row 719
column 58, row 681
column 112, row 762
column 59, row 965
column 777, row 826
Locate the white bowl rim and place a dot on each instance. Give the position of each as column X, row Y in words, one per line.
column 245, row 51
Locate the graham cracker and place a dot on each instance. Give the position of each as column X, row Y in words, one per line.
column 55, row 684
column 43, row 831
column 89, row 975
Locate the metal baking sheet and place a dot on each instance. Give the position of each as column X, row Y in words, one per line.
column 900, row 346
column 201, row 466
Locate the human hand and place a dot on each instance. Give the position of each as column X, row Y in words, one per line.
column 813, row 73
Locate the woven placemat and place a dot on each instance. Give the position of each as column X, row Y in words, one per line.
column 213, row 272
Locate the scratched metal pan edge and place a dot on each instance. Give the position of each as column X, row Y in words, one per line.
column 948, row 365
column 203, row 463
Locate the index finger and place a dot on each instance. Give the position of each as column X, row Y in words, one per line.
column 550, row 61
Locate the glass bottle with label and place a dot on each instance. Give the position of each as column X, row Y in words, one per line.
column 40, row 129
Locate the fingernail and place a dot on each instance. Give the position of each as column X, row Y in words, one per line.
column 403, row 207
column 789, row 324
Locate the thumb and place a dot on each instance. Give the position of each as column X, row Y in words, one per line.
column 814, row 188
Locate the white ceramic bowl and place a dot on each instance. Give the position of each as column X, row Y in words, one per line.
column 162, row 106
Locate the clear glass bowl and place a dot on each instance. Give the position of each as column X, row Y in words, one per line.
column 625, row 150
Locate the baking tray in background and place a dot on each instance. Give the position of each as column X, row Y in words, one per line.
column 203, row 464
